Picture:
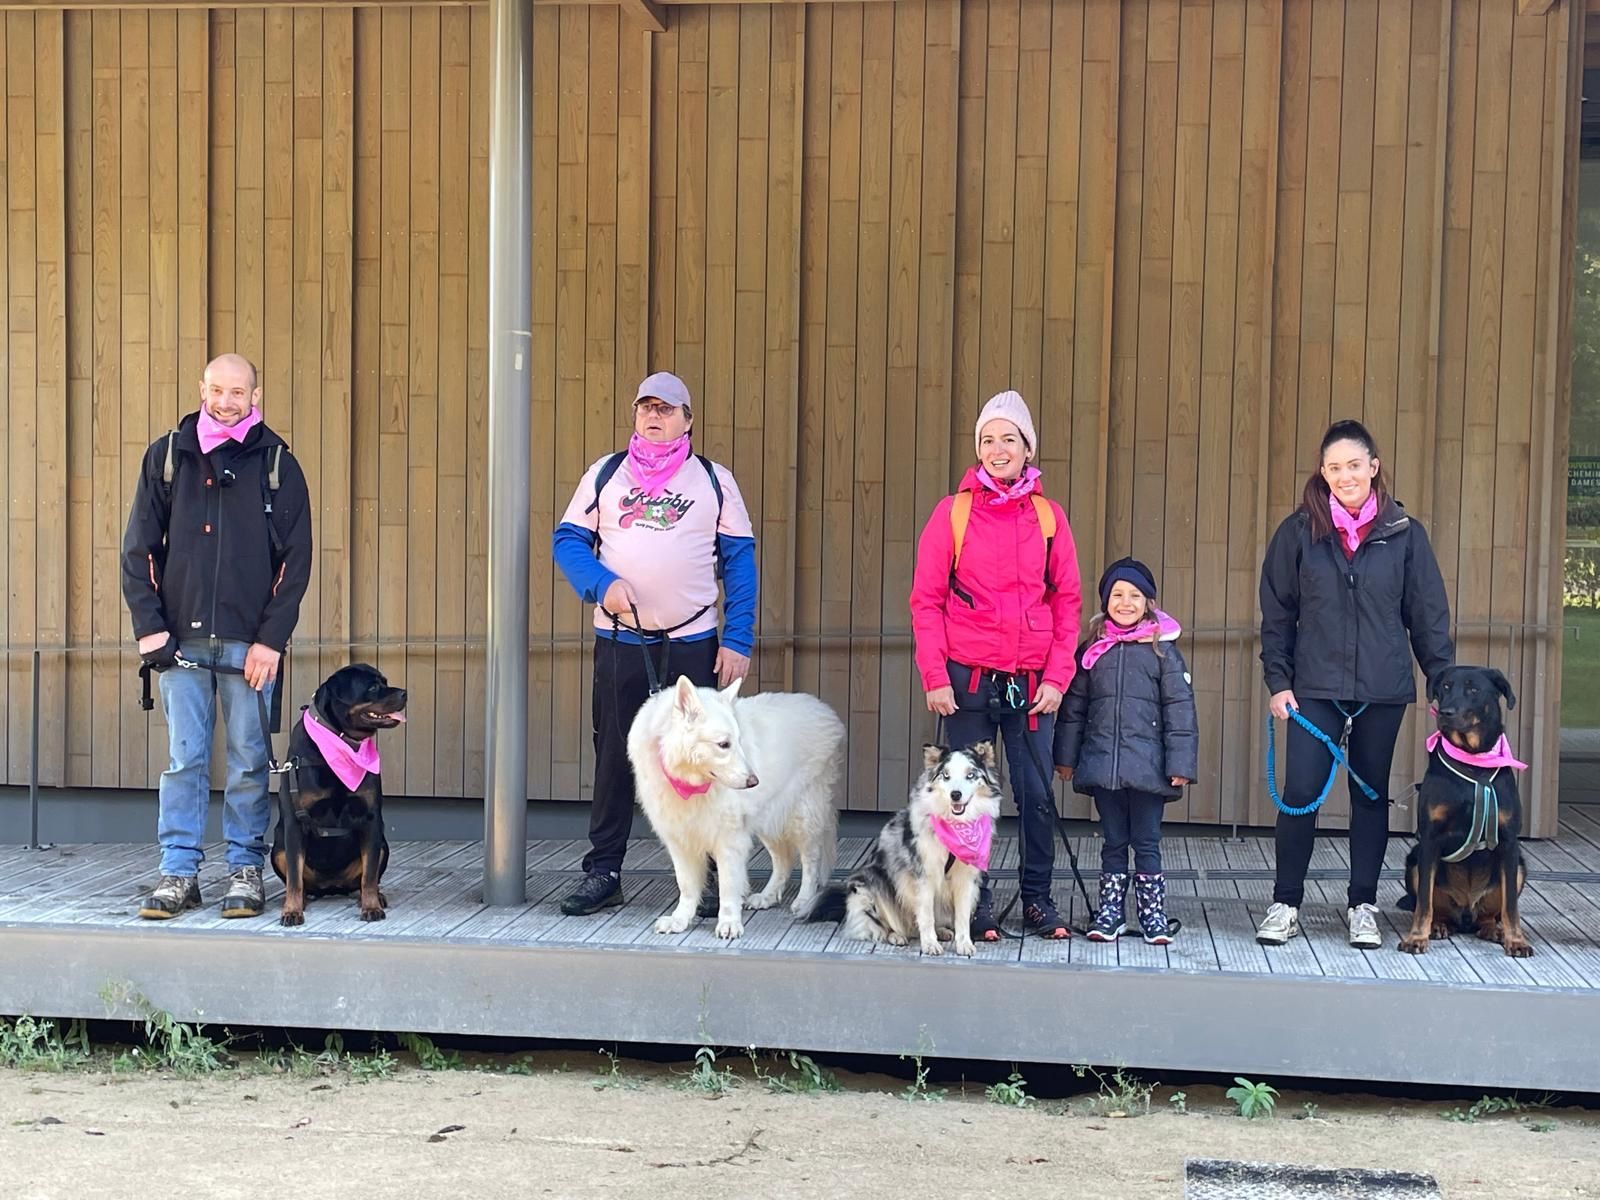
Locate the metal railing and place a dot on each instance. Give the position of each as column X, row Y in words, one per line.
column 897, row 638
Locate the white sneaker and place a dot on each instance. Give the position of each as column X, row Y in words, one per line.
column 1364, row 933
column 1281, row 923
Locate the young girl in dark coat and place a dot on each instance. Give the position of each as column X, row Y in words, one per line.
column 1126, row 736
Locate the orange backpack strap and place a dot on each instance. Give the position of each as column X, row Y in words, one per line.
column 960, row 514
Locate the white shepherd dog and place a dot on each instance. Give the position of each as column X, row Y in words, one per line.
column 715, row 772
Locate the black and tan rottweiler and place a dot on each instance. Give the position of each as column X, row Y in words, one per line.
column 330, row 839
column 1471, row 893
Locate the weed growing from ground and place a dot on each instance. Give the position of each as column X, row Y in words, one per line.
column 1254, row 1099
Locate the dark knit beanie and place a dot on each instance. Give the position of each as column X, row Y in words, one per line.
column 1129, row 570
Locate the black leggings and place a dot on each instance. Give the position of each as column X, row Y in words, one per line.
column 1371, row 751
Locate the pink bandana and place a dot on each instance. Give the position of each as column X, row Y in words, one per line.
column 653, row 463
column 350, row 763
column 213, row 432
column 1016, row 490
column 1350, row 526
column 682, row 787
column 1499, row 756
column 967, row 840
column 1163, row 628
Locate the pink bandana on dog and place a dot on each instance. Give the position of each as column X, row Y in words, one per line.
column 682, row 787
column 967, row 840
column 213, row 433
column 351, row 764
column 1499, row 756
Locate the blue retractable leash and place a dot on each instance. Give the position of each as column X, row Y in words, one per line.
column 1334, row 748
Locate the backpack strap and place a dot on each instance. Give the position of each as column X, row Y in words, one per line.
column 716, row 486
column 1047, row 526
column 169, row 466
column 960, row 514
column 269, row 488
column 607, row 470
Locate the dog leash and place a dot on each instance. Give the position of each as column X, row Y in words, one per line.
column 1334, row 748
column 287, row 772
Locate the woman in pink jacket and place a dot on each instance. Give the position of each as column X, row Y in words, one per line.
column 995, row 606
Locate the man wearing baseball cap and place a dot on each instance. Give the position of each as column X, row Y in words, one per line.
column 646, row 538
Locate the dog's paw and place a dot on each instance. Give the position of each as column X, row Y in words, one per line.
column 1489, row 931
column 895, row 939
column 373, row 914
column 944, row 933
column 672, row 923
column 964, row 947
column 1517, row 947
column 292, row 917
column 932, row 947
column 1442, row 931
column 802, row 903
column 1413, row 944
column 730, row 928
column 759, row 901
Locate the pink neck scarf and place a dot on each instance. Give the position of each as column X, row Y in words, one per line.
column 653, row 463
column 968, row 840
column 1015, row 490
column 350, row 763
column 1498, row 756
column 682, row 787
column 1348, row 526
column 213, row 433
column 1163, row 628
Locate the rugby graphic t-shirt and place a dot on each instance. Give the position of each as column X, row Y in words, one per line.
column 663, row 540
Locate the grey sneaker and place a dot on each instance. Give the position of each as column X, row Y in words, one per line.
column 1364, row 933
column 245, row 897
column 1281, row 923
column 173, row 894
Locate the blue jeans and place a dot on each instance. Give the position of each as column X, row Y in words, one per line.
column 190, row 706
column 1130, row 817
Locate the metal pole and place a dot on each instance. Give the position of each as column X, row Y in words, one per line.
column 505, row 810
column 33, row 765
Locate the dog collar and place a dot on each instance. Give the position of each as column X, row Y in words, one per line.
column 682, row 787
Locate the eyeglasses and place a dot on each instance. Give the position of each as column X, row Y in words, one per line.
column 656, row 408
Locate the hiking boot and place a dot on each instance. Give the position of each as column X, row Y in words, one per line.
column 1109, row 924
column 1150, row 892
column 984, row 927
column 1281, row 923
column 244, row 897
column 599, row 889
column 1364, row 933
column 173, row 895
column 1041, row 918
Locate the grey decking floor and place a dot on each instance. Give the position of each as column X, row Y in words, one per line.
column 1219, row 889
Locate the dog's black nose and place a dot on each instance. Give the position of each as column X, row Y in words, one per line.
column 955, row 795
column 751, row 781
column 1448, row 712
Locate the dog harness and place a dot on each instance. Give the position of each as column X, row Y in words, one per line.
column 1334, row 748
column 1484, row 833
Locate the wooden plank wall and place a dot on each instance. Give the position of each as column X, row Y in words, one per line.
column 1189, row 231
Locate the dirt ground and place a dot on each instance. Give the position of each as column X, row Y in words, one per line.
column 566, row 1130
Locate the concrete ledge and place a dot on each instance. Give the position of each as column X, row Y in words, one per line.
column 1278, row 1025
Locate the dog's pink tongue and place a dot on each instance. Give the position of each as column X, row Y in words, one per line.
column 399, row 716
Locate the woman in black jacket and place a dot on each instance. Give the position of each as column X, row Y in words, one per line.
column 1349, row 580
column 1126, row 736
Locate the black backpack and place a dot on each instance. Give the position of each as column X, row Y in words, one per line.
column 609, row 468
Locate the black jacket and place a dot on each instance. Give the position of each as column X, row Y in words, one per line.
column 1333, row 628
column 1129, row 722
column 204, row 564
